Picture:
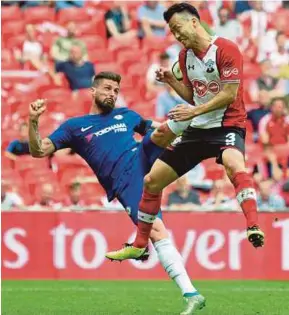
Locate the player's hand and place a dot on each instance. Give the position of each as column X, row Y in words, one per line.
column 182, row 112
column 37, row 108
column 164, row 75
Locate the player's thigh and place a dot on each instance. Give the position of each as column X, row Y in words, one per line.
column 159, row 177
column 163, row 135
column 233, row 161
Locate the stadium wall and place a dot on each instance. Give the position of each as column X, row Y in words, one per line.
column 73, row 246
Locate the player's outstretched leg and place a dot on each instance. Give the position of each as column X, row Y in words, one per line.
column 160, row 176
column 233, row 161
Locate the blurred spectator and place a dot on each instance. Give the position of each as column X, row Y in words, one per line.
column 248, row 46
column 218, row 200
column 58, row 5
column 74, row 201
column 153, row 86
column 226, row 27
column 197, row 178
column 166, row 100
column 19, row 146
column 269, row 85
column 256, row 18
column 9, row 199
column 32, row 49
column 285, row 192
column 46, row 200
column 150, row 17
column 267, row 200
column 184, row 197
column 173, row 51
column 274, row 130
column 256, row 114
column 78, row 72
column 241, row 6
column 268, row 43
column 118, row 22
column 281, row 56
column 60, row 50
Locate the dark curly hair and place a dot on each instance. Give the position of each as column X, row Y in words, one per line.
column 180, row 7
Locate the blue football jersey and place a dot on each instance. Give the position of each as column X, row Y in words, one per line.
column 105, row 142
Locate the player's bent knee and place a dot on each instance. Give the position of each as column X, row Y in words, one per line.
column 151, row 185
column 163, row 136
column 158, row 231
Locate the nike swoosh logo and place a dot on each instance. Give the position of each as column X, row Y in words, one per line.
column 84, row 129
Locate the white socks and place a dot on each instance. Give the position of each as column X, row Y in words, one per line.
column 172, row 262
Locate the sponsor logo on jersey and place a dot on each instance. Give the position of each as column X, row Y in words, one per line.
column 210, row 66
column 115, row 128
column 214, row 87
column 118, row 117
column 229, row 71
column 201, row 88
column 191, row 67
column 87, row 128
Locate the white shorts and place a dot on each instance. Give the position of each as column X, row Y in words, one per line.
column 177, row 127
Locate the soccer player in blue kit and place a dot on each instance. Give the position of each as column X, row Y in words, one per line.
column 104, row 139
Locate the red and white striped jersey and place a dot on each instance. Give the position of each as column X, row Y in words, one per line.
column 221, row 63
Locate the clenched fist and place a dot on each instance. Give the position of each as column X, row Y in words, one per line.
column 37, row 108
column 164, row 75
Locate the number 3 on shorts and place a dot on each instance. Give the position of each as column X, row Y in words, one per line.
column 230, row 138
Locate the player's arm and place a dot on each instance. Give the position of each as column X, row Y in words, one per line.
column 229, row 61
column 38, row 147
column 184, row 91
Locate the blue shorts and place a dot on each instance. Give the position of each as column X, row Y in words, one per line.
column 131, row 194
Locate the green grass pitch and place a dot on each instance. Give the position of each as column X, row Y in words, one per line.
column 141, row 297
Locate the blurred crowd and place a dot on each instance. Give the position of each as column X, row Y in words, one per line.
column 52, row 49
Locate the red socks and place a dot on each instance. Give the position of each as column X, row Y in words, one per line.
column 148, row 209
column 246, row 196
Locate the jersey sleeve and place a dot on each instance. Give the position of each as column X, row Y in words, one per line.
column 230, row 62
column 141, row 125
column 182, row 62
column 11, row 146
column 62, row 136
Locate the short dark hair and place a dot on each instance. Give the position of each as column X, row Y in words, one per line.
column 180, row 7
column 279, row 98
column 74, row 186
column 107, row 76
column 164, row 56
column 280, row 33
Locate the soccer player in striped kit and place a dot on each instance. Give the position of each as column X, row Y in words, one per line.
column 214, row 126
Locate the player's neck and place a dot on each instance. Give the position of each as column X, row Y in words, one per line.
column 201, row 42
column 94, row 110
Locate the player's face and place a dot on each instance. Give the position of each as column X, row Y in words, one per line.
column 105, row 95
column 183, row 30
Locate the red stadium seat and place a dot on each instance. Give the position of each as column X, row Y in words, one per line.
column 90, row 27
column 101, row 55
column 39, row 14
column 26, row 163
column 93, row 42
column 15, row 41
column 73, row 14
column 214, row 171
column 57, row 94
column 116, row 44
column 13, row 27
column 111, row 66
column 251, row 71
column 9, row 13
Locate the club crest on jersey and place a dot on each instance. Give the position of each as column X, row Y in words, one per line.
column 118, row 117
column 210, row 66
